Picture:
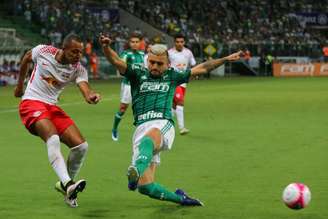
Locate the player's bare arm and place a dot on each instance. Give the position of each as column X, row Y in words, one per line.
column 89, row 95
column 111, row 55
column 212, row 64
column 25, row 66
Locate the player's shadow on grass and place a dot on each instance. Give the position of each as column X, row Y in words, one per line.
column 173, row 210
column 97, row 213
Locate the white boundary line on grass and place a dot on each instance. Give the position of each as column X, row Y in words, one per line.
column 64, row 104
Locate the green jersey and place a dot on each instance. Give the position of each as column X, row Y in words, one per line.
column 152, row 97
column 132, row 57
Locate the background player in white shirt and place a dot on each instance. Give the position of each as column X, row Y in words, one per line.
column 53, row 70
column 181, row 58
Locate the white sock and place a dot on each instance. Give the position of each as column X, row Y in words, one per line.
column 180, row 116
column 76, row 158
column 56, row 159
column 173, row 112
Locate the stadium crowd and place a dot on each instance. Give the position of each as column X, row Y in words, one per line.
column 58, row 18
column 257, row 21
column 265, row 28
column 227, row 22
column 9, row 72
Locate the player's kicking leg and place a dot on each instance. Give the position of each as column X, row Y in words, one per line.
column 78, row 149
column 148, row 187
column 186, row 200
column 48, row 132
column 141, row 174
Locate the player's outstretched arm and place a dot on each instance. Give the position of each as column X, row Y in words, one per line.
column 111, row 55
column 212, row 64
column 24, row 67
column 89, row 95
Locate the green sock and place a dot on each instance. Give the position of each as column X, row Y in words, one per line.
column 157, row 191
column 145, row 154
column 117, row 119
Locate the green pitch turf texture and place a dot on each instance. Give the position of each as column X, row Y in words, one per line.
column 249, row 138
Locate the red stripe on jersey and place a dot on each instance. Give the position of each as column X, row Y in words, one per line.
column 49, row 49
column 33, row 73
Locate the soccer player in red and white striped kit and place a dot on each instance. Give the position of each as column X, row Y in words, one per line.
column 54, row 69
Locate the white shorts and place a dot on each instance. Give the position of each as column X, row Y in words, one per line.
column 126, row 93
column 168, row 133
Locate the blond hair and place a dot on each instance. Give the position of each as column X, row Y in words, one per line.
column 159, row 49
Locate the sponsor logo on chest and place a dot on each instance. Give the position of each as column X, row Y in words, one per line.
column 154, row 87
column 51, row 81
column 61, row 74
column 150, row 115
column 65, row 75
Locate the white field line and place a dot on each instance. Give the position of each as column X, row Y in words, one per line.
column 15, row 109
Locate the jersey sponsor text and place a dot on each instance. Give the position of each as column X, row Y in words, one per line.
column 154, row 86
column 150, row 115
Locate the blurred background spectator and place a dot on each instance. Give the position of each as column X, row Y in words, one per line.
column 9, row 72
column 267, row 24
column 213, row 28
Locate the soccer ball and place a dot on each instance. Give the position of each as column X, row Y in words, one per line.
column 296, row 196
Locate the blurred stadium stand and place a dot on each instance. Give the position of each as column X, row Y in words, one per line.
column 267, row 28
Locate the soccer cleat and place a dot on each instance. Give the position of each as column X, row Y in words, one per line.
column 184, row 131
column 72, row 191
column 115, row 135
column 75, row 188
column 133, row 178
column 186, row 200
column 71, row 202
column 60, row 188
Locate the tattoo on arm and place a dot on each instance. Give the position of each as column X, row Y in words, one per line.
column 212, row 64
column 209, row 65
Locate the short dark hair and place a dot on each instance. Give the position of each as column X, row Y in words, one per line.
column 70, row 37
column 179, row 35
column 135, row 35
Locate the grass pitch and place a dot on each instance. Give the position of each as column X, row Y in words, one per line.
column 249, row 138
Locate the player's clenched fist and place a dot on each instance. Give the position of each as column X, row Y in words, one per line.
column 104, row 40
column 235, row 56
column 93, row 98
column 18, row 91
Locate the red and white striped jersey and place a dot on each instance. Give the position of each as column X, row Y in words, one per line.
column 49, row 77
column 181, row 60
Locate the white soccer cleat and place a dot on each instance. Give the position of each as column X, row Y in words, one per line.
column 61, row 189
column 184, row 131
column 75, row 188
column 71, row 202
column 72, row 191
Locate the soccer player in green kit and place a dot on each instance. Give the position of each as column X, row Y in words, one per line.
column 152, row 98
column 130, row 56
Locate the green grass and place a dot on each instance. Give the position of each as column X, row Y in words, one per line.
column 249, row 138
